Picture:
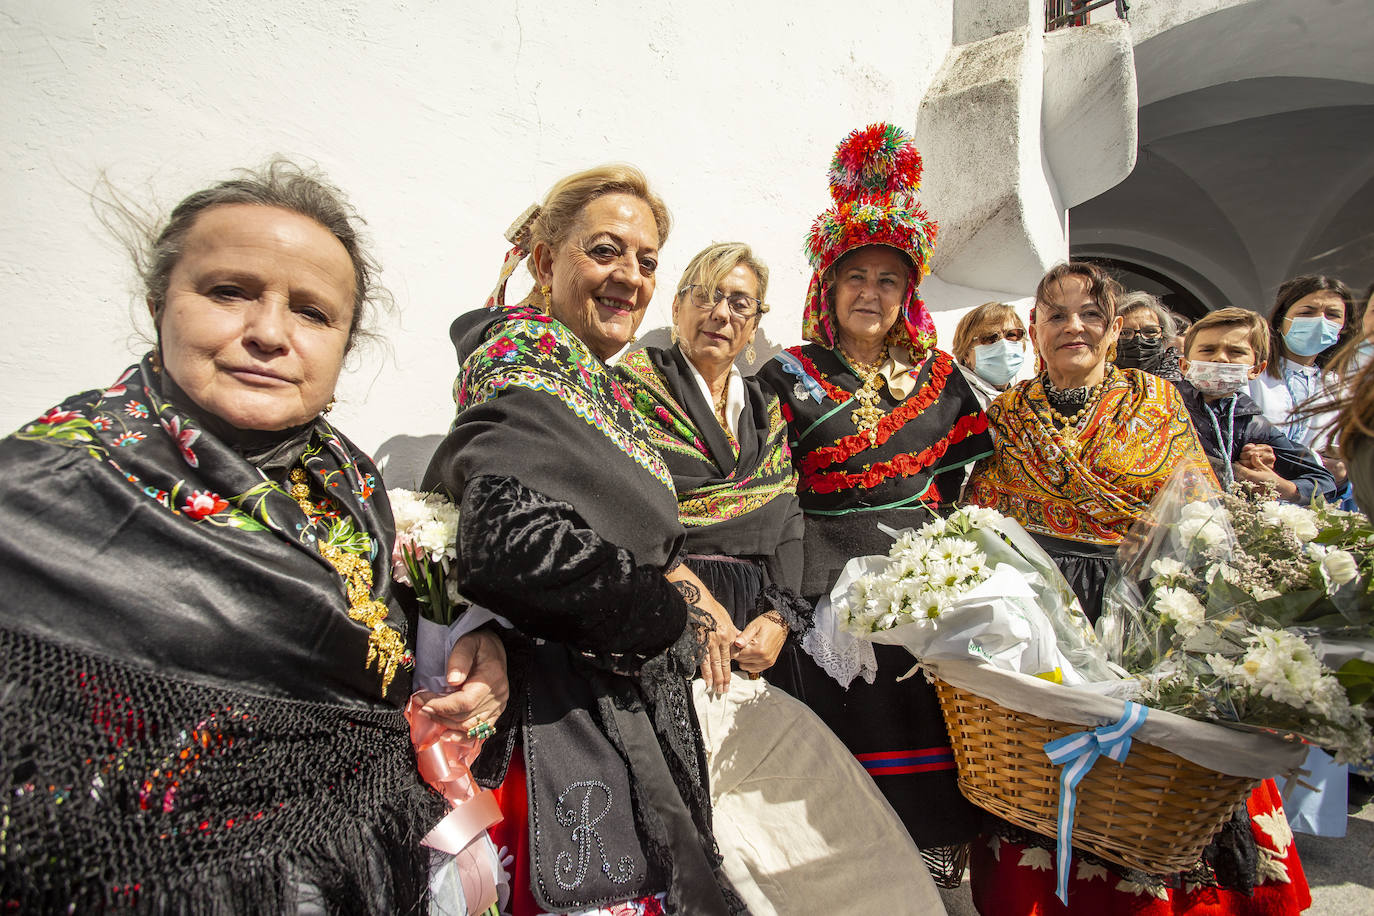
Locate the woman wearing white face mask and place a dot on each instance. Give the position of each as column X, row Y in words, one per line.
column 990, row 345
column 1306, row 325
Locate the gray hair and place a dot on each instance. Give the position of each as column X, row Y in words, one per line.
column 278, row 183
column 1141, row 300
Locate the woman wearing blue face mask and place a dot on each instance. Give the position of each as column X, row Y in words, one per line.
column 990, row 345
column 1307, row 324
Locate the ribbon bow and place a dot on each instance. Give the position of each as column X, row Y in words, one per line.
column 519, row 236
column 1077, row 753
column 443, row 757
column 792, row 366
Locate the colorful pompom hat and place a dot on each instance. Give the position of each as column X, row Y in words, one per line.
column 873, row 181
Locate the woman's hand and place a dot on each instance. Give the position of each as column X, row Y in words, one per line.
column 720, row 641
column 758, row 644
column 477, row 669
column 1256, row 465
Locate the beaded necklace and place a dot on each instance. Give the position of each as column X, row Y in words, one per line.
column 1070, row 428
column 385, row 645
column 867, row 416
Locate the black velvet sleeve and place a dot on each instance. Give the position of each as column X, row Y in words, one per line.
column 535, row 561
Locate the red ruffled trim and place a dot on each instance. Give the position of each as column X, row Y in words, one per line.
column 903, row 465
column 849, row 446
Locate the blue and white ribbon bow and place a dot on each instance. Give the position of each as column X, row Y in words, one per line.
column 1077, row 753
column 793, row 366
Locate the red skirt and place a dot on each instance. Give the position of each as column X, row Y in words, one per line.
column 1010, row 879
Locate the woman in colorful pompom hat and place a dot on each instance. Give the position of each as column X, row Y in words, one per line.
column 884, row 426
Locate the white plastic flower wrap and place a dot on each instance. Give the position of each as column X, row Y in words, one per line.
column 972, row 585
column 1221, row 607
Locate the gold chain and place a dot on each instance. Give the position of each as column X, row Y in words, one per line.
column 1068, row 435
column 385, row 645
column 868, row 414
column 721, row 403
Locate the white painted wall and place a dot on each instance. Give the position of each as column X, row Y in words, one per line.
column 443, row 120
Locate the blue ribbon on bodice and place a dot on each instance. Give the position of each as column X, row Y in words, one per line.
column 793, row 366
column 1077, row 753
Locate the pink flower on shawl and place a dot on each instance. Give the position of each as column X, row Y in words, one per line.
column 117, row 389
column 184, row 438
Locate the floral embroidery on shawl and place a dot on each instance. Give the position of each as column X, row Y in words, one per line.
column 1138, row 436
column 671, row 429
column 533, row 351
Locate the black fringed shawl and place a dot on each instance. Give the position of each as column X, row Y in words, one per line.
column 568, row 520
column 189, row 718
column 736, row 495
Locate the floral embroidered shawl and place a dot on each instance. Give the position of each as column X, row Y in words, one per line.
column 186, row 683
column 1138, row 436
column 736, row 495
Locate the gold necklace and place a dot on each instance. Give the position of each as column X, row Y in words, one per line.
column 385, row 645
column 1068, row 436
column 867, row 416
column 721, row 403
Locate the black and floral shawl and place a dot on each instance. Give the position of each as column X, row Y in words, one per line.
column 189, row 716
column 568, row 521
column 736, row 494
column 848, row 483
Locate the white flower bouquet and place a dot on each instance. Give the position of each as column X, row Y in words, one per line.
column 425, row 548
column 972, row 585
column 1218, row 609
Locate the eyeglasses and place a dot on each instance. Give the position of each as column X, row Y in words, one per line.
column 1015, row 335
column 1143, row 334
column 741, row 306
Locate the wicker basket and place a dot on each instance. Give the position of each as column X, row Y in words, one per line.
column 1155, row 812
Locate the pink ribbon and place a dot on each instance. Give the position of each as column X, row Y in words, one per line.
column 444, row 757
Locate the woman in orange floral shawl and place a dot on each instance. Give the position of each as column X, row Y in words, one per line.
column 1080, row 451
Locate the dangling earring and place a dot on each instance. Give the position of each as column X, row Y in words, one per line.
column 548, row 299
column 1111, row 353
column 672, row 334
column 156, row 361
column 750, row 354
column 330, row 406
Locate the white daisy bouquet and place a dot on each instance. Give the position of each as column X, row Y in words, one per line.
column 1227, row 606
column 972, row 585
column 423, row 555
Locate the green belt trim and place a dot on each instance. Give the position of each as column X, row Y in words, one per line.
column 901, row 502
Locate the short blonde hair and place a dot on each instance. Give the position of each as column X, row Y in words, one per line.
column 1257, row 327
column 566, row 199
column 987, row 313
column 710, row 265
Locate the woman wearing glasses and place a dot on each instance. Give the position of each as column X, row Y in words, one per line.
column 990, row 345
column 1147, row 330
column 799, row 824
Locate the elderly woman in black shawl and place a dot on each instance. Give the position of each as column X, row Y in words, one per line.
column 201, row 660
column 801, row 826
column 569, row 531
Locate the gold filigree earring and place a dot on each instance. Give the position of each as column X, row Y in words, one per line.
column 330, row 406
column 672, row 333
column 750, row 354
column 548, row 299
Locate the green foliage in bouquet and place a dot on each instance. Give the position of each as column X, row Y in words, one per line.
column 425, row 548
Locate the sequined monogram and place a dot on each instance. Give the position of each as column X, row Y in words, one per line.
column 385, row 645
column 584, row 834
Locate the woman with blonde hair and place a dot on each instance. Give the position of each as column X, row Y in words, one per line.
column 990, row 345
column 569, row 531
column 724, row 439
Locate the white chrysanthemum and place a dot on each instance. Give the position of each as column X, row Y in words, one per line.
column 933, row 528
column 1182, row 608
column 980, row 516
column 1167, row 571
column 1299, row 522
